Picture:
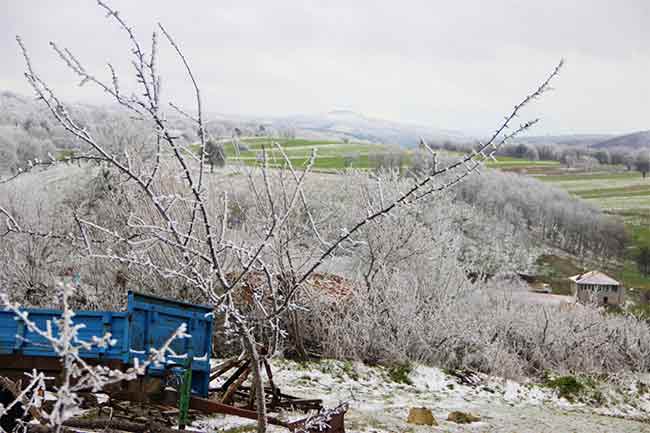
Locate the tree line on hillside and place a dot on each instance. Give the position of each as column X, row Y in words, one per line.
column 572, row 156
column 549, row 214
column 29, row 133
column 546, row 213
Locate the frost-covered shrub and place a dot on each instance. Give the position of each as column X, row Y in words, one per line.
column 547, row 213
column 480, row 326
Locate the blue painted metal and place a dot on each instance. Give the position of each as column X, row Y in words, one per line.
column 147, row 324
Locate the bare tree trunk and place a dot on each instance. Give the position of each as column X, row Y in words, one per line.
column 258, row 383
column 298, row 336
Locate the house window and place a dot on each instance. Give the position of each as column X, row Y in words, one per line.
column 614, row 289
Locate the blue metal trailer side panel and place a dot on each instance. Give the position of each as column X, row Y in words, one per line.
column 16, row 337
column 153, row 321
column 8, row 332
column 147, row 324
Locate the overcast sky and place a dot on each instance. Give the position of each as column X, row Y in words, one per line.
column 448, row 64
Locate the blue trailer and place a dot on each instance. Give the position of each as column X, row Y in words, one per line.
column 147, row 324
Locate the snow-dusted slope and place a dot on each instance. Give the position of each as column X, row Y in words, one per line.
column 378, row 404
column 356, row 126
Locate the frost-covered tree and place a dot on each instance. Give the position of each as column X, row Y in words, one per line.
column 643, row 260
column 603, row 156
column 19, row 147
column 215, row 154
column 642, row 162
column 175, row 224
column 622, row 157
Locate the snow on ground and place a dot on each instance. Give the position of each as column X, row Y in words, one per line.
column 378, row 404
column 545, row 298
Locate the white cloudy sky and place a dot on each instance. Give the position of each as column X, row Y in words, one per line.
column 449, row 64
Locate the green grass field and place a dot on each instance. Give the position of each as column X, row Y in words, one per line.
column 330, row 155
column 333, row 155
column 506, row 162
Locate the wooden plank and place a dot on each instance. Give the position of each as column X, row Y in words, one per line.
column 224, row 367
column 235, row 375
column 230, row 392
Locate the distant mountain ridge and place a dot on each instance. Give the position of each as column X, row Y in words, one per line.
column 16, row 109
column 566, row 139
column 636, row 140
column 355, row 126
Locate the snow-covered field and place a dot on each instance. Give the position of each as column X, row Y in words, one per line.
column 379, row 404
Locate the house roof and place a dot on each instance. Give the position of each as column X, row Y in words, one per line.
column 595, row 277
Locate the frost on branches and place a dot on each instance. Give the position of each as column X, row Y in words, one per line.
column 177, row 229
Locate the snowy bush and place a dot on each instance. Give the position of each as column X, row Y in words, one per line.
column 484, row 326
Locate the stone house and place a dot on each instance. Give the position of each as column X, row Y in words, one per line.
column 595, row 286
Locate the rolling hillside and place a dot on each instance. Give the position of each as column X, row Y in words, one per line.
column 636, row 140
column 354, row 126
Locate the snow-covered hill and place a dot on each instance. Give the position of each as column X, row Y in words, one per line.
column 356, row 126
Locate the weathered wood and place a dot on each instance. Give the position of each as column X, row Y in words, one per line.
column 230, row 392
column 251, row 397
column 275, row 392
column 37, row 428
column 285, row 402
column 236, row 375
column 224, row 367
column 302, row 402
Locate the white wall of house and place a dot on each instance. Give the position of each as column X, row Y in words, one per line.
column 601, row 294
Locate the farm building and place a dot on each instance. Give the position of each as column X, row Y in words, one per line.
column 595, row 286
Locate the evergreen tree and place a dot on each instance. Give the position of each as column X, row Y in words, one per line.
column 215, row 154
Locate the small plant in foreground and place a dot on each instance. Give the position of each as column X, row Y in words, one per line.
column 568, row 387
column 400, row 373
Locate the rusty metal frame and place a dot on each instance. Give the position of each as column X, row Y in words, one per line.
column 148, row 388
column 335, row 422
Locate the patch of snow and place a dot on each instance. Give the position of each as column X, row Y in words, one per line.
column 380, row 405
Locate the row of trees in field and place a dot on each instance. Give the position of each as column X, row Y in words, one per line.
column 572, row 156
column 549, row 214
column 543, row 213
